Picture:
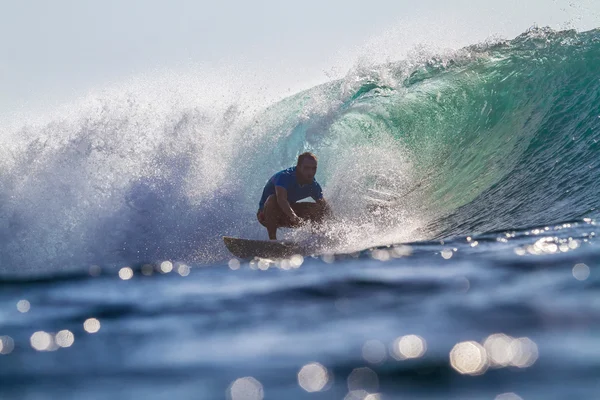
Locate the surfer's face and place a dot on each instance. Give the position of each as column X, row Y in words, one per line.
column 307, row 170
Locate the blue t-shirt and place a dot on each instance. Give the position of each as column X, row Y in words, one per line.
column 295, row 191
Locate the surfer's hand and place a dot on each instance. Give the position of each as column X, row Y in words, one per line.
column 296, row 220
column 261, row 217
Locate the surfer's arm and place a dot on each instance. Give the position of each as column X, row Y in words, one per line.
column 317, row 195
column 284, row 204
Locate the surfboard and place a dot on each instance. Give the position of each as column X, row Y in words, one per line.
column 250, row 248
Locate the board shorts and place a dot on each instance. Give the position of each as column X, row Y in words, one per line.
column 303, row 210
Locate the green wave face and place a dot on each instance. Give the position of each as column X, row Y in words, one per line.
column 449, row 131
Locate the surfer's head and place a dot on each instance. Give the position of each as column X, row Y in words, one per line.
column 306, row 168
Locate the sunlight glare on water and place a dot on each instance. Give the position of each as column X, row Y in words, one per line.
column 581, row 272
column 313, row 377
column 125, row 273
column 285, row 264
column 65, row 338
column 234, row 264
column 524, row 352
column 363, row 379
column 548, row 245
column 23, row 306
column 7, row 345
column 447, row 254
column 166, row 267
column 498, row 349
column 469, row 358
column 374, row 352
column 380, row 254
column 409, row 346
column 296, row 260
column 42, row 341
column 263, row 264
column 91, row 325
column 328, row 258
column 247, row 388
column 362, row 395
column 183, row 270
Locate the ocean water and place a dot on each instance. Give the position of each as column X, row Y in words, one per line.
column 461, row 261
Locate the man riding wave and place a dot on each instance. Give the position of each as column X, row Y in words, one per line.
column 279, row 205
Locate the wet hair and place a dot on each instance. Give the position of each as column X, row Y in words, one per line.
column 304, row 156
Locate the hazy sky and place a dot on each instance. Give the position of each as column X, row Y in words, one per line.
column 54, row 51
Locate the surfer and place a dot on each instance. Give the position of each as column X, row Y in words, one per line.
column 279, row 205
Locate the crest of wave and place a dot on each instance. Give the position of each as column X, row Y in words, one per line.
column 136, row 171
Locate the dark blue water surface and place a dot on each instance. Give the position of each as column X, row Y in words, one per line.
column 195, row 331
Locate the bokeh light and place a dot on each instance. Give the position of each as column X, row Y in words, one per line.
column 7, row 345
column 401, row 251
column 234, row 264
column 356, row 395
column 296, row 260
column 263, row 264
column 363, row 379
column 362, row 395
column 498, row 349
column 545, row 245
column 247, row 388
column 503, row 351
column 469, row 358
column 374, row 352
column 548, row 245
column 409, row 346
column 65, row 338
column 520, row 251
column 563, row 247
column 285, row 264
column 91, row 325
column 183, row 270
column 23, row 306
column 447, row 254
column 125, row 273
column 42, row 341
column 581, row 272
column 524, row 352
column 313, row 377
column 328, row 258
column 380, row 254
column 166, row 267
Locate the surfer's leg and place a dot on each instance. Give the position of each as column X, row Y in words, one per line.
column 274, row 217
